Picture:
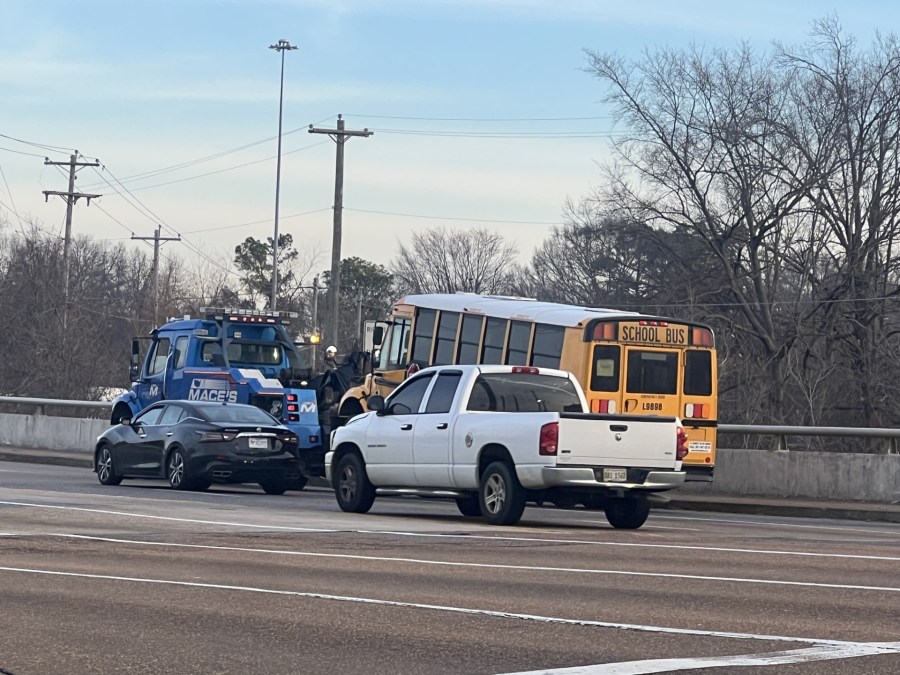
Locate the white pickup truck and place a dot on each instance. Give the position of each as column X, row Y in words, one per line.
column 496, row 437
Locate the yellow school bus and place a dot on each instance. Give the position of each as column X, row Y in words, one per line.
column 626, row 362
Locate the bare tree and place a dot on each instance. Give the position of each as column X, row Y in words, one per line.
column 445, row 261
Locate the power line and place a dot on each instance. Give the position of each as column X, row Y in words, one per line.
column 498, row 134
column 22, row 152
column 256, row 222
column 12, row 200
column 52, row 148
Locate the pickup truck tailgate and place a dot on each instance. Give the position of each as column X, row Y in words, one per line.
column 617, row 440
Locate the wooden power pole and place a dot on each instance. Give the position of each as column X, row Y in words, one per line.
column 339, row 136
column 157, row 239
column 71, row 197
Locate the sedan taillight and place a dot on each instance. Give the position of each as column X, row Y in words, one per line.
column 216, row 436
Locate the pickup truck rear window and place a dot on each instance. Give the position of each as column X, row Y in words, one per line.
column 523, row 392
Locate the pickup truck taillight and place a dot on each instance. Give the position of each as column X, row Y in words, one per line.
column 681, row 449
column 549, row 438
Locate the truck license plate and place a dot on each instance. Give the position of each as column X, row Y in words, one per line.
column 259, row 443
column 615, row 475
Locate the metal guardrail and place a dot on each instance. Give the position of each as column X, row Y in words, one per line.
column 40, row 403
column 891, row 436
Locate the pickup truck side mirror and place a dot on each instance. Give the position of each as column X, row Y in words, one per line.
column 125, row 421
column 376, row 403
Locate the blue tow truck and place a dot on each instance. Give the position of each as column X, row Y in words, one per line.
column 232, row 356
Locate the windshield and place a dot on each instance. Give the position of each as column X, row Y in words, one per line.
column 246, row 352
column 238, row 414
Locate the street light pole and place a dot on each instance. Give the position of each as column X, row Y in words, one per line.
column 280, row 46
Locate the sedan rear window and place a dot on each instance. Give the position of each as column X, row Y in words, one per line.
column 525, row 392
column 243, row 414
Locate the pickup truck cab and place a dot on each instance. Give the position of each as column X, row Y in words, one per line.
column 497, row 437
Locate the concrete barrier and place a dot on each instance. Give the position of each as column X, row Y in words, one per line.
column 813, row 475
column 66, row 434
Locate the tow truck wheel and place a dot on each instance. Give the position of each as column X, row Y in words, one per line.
column 469, row 506
column 354, row 492
column 275, row 486
column 297, row 483
column 500, row 495
column 627, row 514
column 106, row 470
column 119, row 413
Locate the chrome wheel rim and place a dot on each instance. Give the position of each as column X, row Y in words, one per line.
column 176, row 469
column 104, row 465
column 494, row 493
column 347, row 483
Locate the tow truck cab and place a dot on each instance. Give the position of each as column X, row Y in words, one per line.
column 235, row 356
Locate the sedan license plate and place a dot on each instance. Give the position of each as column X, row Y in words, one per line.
column 615, row 475
column 258, row 443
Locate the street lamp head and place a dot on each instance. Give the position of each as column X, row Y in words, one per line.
column 281, row 45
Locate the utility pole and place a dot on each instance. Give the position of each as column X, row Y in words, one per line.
column 71, row 197
column 157, row 239
column 359, row 326
column 315, row 319
column 281, row 46
column 339, row 136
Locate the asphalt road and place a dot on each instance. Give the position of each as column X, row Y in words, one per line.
column 138, row 578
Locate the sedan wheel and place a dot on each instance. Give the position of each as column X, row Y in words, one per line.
column 106, row 471
column 177, row 471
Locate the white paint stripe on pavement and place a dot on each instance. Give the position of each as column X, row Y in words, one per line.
column 809, row 655
column 170, row 518
column 768, row 523
column 496, row 566
column 668, row 630
column 400, row 533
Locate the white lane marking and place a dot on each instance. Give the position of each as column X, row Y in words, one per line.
column 809, row 655
column 545, row 540
column 171, row 518
column 494, row 566
column 444, row 608
column 740, row 521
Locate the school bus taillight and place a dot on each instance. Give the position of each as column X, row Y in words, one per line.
column 603, row 405
column 701, row 337
column 549, row 439
column 681, row 439
column 697, row 410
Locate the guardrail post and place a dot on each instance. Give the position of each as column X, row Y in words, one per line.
column 782, row 443
column 892, row 446
column 39, row 410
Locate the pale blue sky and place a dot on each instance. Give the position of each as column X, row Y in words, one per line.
column 144, row 86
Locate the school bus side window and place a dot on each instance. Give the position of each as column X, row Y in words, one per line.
column 422, row 336
column 519, row 338
column 697, row 373
column 469, row 338
column 494, row 336
column 446, row 339
column 548, row 343
column 393, row 351
column 605, row 369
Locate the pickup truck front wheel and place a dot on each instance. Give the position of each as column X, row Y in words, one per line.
column 501, row 497
column 627, row 514
column 354, row 492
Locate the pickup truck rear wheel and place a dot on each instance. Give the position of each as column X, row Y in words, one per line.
column 500, row 496
column 354, row 492
column 627, row 514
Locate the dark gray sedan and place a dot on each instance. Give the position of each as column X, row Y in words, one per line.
column 195, row 443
